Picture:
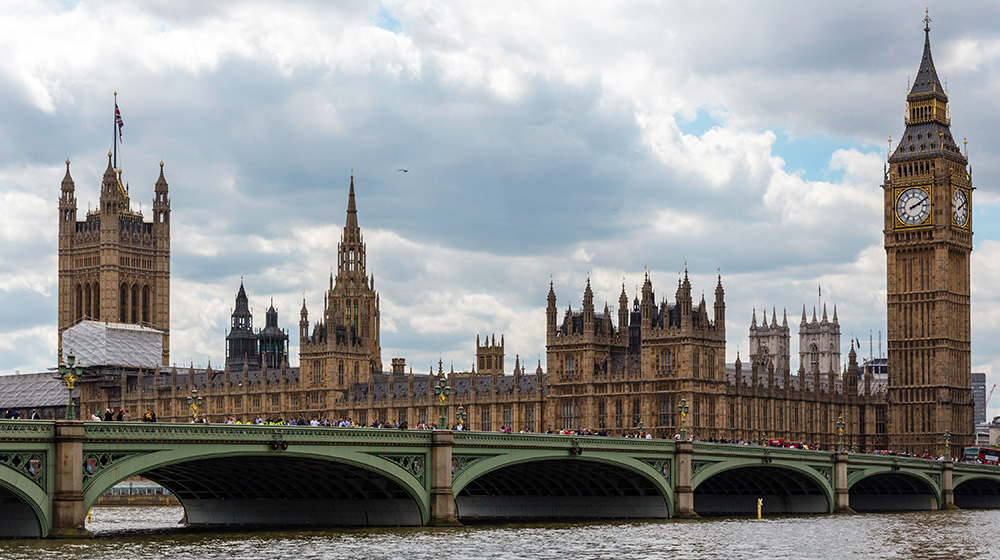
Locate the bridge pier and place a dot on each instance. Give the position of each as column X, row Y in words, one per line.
column 443, row 510
column 683, row 493
column 69, row 513
column 947, row 488
column 841, row 495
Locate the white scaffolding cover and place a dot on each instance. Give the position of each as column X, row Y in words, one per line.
column 113, row 344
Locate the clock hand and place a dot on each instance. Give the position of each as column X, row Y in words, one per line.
column 912, row 206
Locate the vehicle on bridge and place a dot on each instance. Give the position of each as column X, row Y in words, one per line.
column 984, row 455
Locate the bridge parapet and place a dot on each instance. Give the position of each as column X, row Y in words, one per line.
column 27, row 430
column 141, row 432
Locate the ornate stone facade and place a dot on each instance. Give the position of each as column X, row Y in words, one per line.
column 928, row 241
column 114, row 266
column 629, row 371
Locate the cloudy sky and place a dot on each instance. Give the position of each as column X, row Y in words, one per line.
column 552, row 139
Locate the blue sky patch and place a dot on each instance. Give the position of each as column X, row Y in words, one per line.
column 384, row 20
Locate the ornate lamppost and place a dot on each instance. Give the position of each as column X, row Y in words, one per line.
column 840, row 434
column 461, row 416
column 194, row 403
column 441, row 391
column 641, row 429
column 683, row 409
column 70, row 375
column 947, row 445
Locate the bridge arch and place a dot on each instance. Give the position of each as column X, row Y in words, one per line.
column 304, row 485
column 23, row 506
column 892, row 489
column 977, row 492
column 551, row 484
column 733, row 487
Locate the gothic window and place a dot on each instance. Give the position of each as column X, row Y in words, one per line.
column 484, row 419
column 814, row 359
column 666, row 362
column 570, row 414
column 619, row 413
column 357, row 369
column 601, row 415
column 529, row 419
column 95, row 301
column 482, row 363
column 711, row 365
column 570, row 366
column 402, row 417
column 238, row 404
column 122, row 303
column 340, row 373
column 636, row 413
column 317, row 373
column 79, row 301
column 135, row 304
column 507, row 416
column 147, row 302
column 664, row 418
column 695, row 366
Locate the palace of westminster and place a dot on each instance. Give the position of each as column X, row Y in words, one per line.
column 606, row 372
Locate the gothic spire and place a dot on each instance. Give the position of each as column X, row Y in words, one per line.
column 352, row 208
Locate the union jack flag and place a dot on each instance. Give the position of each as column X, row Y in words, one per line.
column 119, row 121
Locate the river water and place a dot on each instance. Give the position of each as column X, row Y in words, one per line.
column 139, row 533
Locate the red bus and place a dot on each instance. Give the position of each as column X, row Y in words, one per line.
column 985, row 455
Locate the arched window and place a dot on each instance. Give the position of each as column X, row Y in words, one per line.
column 340, row 373
column 666, row 362
column 80, row 312
column 814, row 358
column 147, row 304
column 123, row 304
column 95, row 301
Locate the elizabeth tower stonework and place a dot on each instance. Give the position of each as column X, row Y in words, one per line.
column 928, row 242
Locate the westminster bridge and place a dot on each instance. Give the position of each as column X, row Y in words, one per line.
column 51, row 473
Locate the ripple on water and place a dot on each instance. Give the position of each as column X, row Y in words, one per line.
column 140, row 533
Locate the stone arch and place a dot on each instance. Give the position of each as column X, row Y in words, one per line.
column 292, row 487
column 556, row 485
column 22, row 506
column 893, row 489
column 734, row 487
column 977, row 492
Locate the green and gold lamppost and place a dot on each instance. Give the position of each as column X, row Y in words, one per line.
column 441, row 391
column 461, row 416
column 641, row 429
column 840, row 434
column 683, row 409
column 70, row 375
column 947, row 445
column 194, row 403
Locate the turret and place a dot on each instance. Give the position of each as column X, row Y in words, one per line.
column 588, row 309
column 720, row 306
column 550, row 315
column 623, row 311
column 303, row 324
column 67, row 205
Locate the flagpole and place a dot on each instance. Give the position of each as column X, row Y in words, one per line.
column 115, row 131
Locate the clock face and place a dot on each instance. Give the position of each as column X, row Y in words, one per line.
column 913, row 206
column 960, row 207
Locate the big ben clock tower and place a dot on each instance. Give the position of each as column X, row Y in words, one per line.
column 928, row 241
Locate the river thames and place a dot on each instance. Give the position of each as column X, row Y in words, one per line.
column 139, row 533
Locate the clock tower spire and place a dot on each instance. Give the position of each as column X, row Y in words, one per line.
column 928, row 241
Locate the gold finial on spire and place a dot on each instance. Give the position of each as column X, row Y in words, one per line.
column 161, row 164
column 352, row 173
column 965, row 145
column 67, row 162
column 927, row 19
column 116, row 93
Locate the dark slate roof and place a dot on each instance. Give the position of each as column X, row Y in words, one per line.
column 33, row 390
column 921, row 140
column 927, row 81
